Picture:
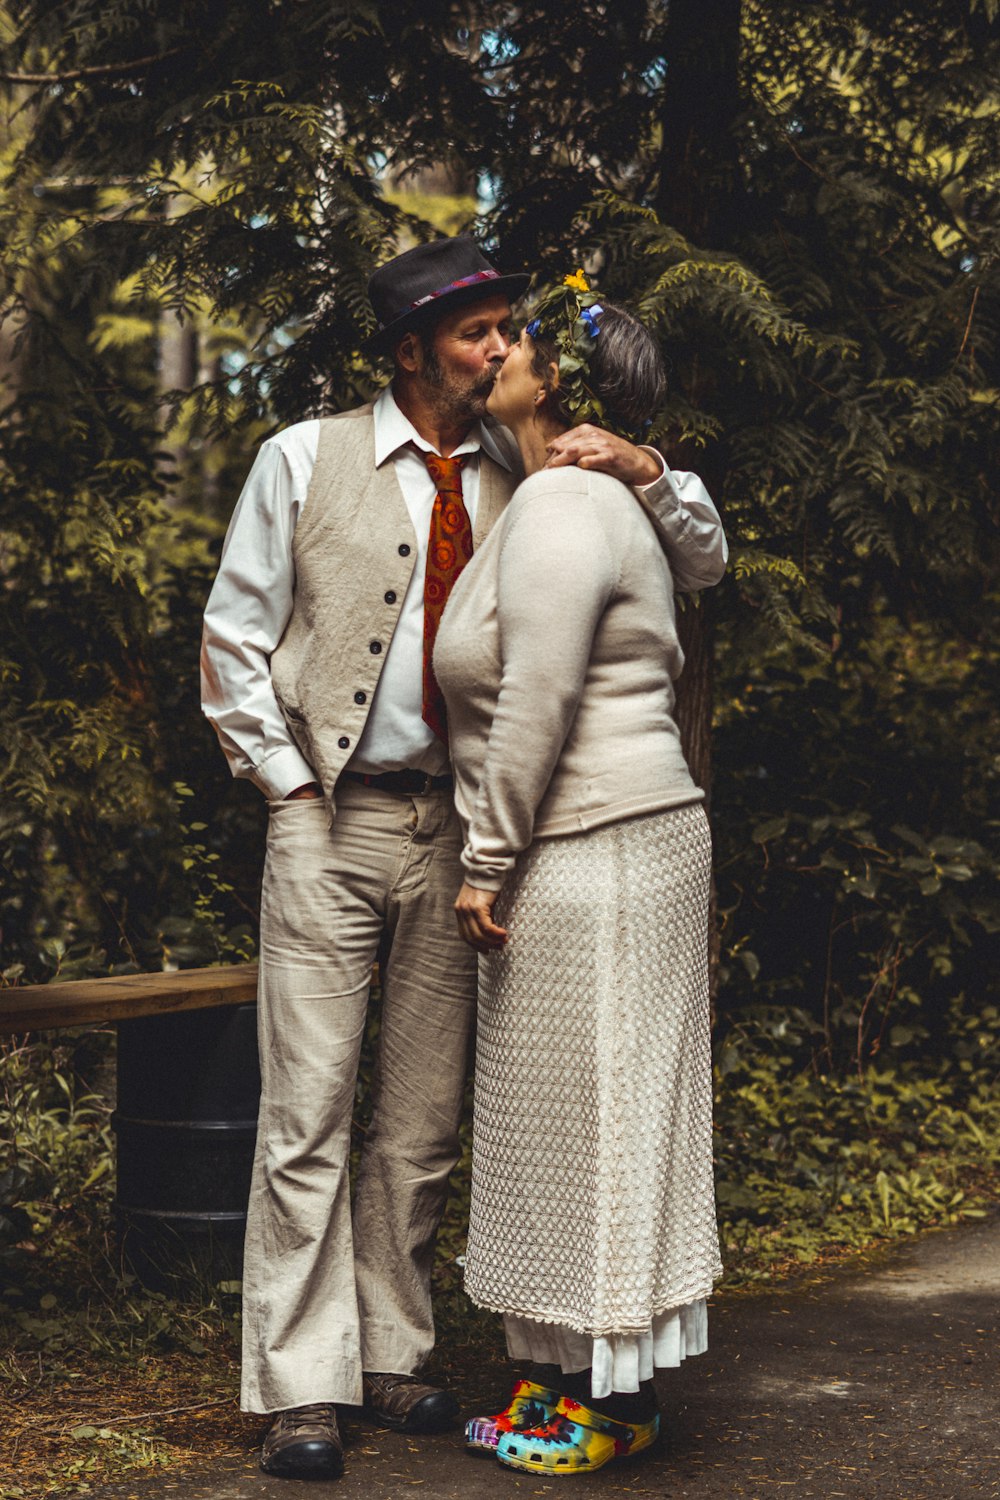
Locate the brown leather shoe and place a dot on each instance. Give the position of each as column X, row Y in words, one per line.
column 304, row 1443
column 404, row 1404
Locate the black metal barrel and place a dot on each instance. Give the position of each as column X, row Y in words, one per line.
column 186, row 1123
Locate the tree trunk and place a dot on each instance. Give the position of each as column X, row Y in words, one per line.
column 698, row 194
column 178, row 371
column 696, row 628
column 699, row 180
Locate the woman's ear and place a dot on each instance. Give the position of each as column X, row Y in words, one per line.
column 551, row 384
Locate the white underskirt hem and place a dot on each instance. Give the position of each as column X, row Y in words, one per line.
column 617, row 1363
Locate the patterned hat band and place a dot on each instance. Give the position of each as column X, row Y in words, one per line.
column 455, row 286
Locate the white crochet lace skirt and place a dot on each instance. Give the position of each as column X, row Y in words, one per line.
column 592, row 1192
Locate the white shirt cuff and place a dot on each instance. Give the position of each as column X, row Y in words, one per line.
column 654, row 453
column 282, row 772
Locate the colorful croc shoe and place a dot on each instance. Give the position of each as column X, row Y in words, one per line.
column 575, row 1440
column 530, row 1406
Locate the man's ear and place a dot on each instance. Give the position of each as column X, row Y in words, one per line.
column 409, row 352
column 553, row 375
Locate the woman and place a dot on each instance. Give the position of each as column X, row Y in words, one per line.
column 587, row 861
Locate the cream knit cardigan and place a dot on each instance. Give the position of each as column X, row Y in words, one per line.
column 556, row 655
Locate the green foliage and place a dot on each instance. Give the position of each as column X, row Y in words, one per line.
column 855, row 806
column 56, row 1152
column 62, row 1292
column 106, row 1452
column 808, row 1161
column 100, row 618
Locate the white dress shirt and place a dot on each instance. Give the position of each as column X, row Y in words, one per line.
column 251, row 601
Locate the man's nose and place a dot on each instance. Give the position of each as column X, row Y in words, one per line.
column 499, row 346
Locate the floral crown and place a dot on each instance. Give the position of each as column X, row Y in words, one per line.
column 567, row 317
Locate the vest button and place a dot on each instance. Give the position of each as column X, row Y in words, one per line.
column 343, row 742
column 404, row 549
column 375, row 647
column 390, row 597
column 361, row 697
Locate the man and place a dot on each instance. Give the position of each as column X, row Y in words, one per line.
column 317, row 678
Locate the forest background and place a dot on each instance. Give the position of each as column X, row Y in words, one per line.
column 802, row 200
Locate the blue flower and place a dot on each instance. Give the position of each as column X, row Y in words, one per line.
column 531, row 329
column 589, row 316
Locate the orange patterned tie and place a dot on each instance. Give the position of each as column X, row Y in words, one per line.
column 449, row 547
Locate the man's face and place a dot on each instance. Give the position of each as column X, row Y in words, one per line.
column 462, row 359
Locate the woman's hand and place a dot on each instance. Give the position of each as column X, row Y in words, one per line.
column 474, row 910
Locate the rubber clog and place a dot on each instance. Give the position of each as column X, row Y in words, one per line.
column 575, row 1440
column 530, row 1406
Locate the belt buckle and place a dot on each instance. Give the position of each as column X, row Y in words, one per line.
column 428, row 785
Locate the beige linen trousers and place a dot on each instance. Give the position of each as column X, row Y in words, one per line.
column 328, row 1293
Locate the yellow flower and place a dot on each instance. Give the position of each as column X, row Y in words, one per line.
column 579, row 282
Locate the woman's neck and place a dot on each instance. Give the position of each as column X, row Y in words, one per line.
column 533, row 437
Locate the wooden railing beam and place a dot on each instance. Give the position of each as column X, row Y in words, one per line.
column 121, row 997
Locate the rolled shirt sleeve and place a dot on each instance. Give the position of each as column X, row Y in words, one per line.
column 691, row 527
column 245, row 618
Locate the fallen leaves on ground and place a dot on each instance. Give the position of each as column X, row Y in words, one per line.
column 71, row 1429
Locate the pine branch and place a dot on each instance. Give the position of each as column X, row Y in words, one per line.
column 101, row 70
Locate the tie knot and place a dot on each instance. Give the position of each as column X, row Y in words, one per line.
column 445, row 472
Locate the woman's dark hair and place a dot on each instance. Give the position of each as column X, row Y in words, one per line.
column 625, row 371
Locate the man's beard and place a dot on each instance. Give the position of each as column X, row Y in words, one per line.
column 460, row 400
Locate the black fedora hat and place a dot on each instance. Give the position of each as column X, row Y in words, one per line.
column 443, row 274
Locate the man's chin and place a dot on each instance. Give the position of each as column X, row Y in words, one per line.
column 468, row 405
column 489, row 389
column 478, row 403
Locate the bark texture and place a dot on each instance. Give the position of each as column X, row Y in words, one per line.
column 699, row 192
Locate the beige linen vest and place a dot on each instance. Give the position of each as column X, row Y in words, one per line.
column 354, row 549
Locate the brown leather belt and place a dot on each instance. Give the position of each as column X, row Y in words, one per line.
column 403, row 783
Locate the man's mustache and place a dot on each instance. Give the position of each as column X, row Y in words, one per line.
column 489, row 378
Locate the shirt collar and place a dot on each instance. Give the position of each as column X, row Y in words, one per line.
column 393, row 431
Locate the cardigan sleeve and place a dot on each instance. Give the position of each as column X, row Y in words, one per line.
column 555, row 576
